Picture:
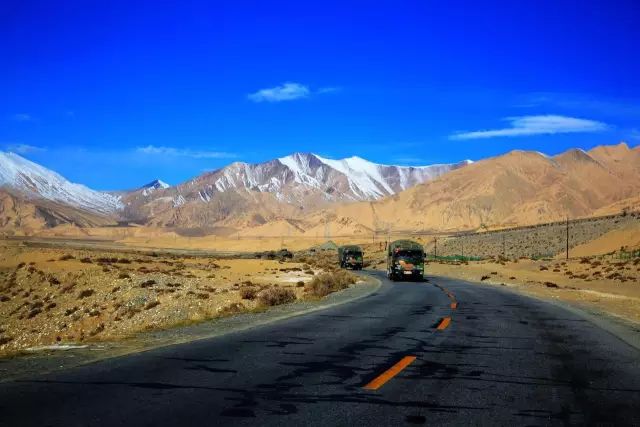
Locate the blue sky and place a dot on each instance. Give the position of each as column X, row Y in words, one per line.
column 114, row 94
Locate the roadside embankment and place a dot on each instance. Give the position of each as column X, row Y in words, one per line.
column 603, row 283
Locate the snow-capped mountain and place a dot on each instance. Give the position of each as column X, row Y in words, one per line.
column 296, row 177
column 156, row 184
column 366, row 180
column 250, row 194
column 238, row 194
column 32, row 181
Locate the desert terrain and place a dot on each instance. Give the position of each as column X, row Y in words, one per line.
column 64, row 296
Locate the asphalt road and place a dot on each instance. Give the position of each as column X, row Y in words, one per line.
column 502, row 359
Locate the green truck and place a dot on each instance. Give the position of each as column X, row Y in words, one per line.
column 405, row 260
column 350, row 256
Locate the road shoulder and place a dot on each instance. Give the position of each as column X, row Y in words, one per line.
column 621, row 327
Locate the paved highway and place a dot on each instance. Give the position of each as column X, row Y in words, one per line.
column 439, row 353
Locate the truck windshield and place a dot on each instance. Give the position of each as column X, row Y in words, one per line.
column 409, row 254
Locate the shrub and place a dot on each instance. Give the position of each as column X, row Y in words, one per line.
column 147, row 283
column 85, row 293
column 67, row 257
column 275, row 296
column 151, row 304
column 248, row 292
column 86, row 260
column 233, row 308
column 325, row 283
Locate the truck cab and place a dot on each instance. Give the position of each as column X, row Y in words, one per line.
column 351, row 256
column 405, row 260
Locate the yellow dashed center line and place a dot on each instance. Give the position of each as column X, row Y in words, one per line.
column 444, row 323
column 381, row 379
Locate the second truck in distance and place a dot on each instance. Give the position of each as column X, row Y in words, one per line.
column 350, row 256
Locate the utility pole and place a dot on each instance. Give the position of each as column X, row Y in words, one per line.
column 567, row 228
column 435, row 248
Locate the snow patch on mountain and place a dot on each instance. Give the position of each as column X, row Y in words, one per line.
column 154, row 185
column 366, row 180
column 34, row 181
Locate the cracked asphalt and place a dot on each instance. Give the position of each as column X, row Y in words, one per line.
column 501, row 359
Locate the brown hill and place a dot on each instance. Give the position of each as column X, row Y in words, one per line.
column 517, row 188
column 21, row 216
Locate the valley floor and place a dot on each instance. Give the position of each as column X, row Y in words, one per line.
column 52, row 296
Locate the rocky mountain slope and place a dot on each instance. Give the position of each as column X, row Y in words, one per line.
column 311, row 195
column 244, row 194
column 30, row 181
column 517, row 188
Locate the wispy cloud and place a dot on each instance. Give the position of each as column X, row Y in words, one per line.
column 634, row 134
column 184, row 152
column 24, row 148
column 21, row 117
column 536, row 125
column 285, row 92
column 288, row 92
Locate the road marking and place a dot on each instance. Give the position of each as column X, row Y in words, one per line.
column 444, row 323
column 381, row 379
column 454, row 305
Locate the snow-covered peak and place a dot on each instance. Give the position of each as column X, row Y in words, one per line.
column 157, row 184
column 154, row 185
column 35, row 181
column 366, row 179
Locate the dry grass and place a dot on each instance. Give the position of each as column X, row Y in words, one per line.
column 275, row 296
column 74, row 295
column 325, row 283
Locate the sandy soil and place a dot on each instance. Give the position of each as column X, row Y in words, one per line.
column 628, row 237
column 604, row 283
column 50, row 296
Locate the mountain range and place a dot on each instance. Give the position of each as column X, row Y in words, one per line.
column 304, row 193
column 240, row 194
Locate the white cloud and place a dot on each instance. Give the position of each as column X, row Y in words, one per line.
column 24, row 148
column 536, row 125
column 21, row 117
column 285, row 92
column 184, row 152
column 288, row 92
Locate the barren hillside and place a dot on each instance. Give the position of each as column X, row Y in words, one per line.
column 518, row 188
